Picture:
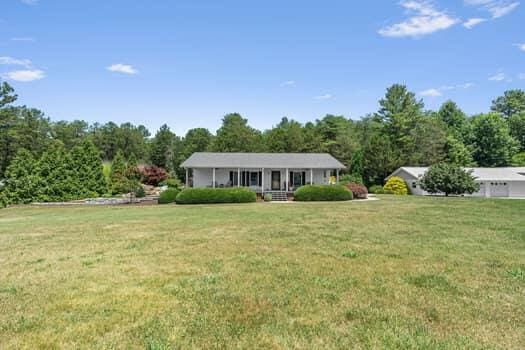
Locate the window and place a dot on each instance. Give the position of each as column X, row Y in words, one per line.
column 414, row 184
column 253, row 179
column 234, row 180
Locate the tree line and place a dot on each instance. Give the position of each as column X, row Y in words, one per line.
column 400, row 133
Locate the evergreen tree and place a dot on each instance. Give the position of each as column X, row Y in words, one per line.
column 161, row 148
column 88, row 170
column 59, row 181
column 235, row 135
column 23, row 183
column 118, row 174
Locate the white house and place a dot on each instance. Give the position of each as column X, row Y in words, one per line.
column 494, row 182
column 262, row 172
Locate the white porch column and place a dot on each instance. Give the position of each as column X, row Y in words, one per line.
column 262, row 182
column 213, row 178
column 287, row 179
column 238, row 177
column 487, row 189
column 337, row 176
column 187, row 178
column 311, row 176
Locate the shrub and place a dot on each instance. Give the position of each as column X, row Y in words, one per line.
column 172, row 182
column 351, row 178
column 267, row 197
column 448, row 179
column 153, row 175
column 376, row 189
column 311, row 193
column 168, row 196
column 139, row 192
column 358, row 191
column 216, row 195
column 396, row 185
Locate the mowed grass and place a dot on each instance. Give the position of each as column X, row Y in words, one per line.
column 396, row 273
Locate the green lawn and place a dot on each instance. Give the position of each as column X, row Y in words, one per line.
column 396, row 273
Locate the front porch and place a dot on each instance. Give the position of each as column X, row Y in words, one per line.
column 260, row 180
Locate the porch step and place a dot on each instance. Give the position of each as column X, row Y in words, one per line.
column 279, row 196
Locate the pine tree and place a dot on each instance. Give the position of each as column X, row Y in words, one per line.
column 22, row 179
column 88, row 170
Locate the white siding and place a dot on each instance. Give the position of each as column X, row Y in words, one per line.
column 517, row 189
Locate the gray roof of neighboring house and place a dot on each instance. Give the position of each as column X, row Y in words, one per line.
column 262, row 160
column 481, row 174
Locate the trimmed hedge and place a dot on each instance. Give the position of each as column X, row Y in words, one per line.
column 216, row 195
column 314, row 193
column 358, row 191
column 168, row 196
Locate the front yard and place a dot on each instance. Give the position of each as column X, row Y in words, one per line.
column 408, row 272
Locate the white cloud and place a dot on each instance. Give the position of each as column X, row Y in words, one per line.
column 521, row 76
column 472, row 22
column 28, row 39
column 431, row 93
column 10, row 61
column 26, row 75
column 324, row 97
column 290, row 83
column 496, row 8
column 520, row 46
column 122, row 68
column 30, row 2
column 424, row 19
column 437, row 92
column 500, row 76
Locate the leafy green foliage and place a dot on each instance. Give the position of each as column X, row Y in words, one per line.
column 518, row 159
column 268, row 197
column 512, row 102
column 139, row 192
column 517, row 128
column 235, row 135
column 318, row 193
column 168, row 196
column 376, row 189
column 216, row 195
column 348, row 178
column 493, row 144
column 161, row 149
column 172, row 182
column 448, row 179
column 396, row 185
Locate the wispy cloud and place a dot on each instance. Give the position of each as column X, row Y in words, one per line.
column 472, row 22
column 25, row 75
column 289, row 83
column 500, row 76
column 26, row 39
column 11, row 61
column 30, row 2
column 122, row 68
column 423, row 19
column 496, row 8
column 437, row 92
column 431, row 93
column 324, row 97
column 520, row 46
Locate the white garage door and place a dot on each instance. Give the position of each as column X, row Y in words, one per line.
column 499, row 189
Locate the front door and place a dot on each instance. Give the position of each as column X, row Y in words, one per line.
column 276, row 180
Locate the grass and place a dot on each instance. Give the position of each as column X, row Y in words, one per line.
column 410, row 273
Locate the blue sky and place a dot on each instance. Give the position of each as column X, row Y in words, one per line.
column 188, row 63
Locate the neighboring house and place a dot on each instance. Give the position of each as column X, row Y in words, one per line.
column 262, row 172
column 494, row 182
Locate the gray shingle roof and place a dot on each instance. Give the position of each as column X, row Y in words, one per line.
column 262, row 160
column 481, row 174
